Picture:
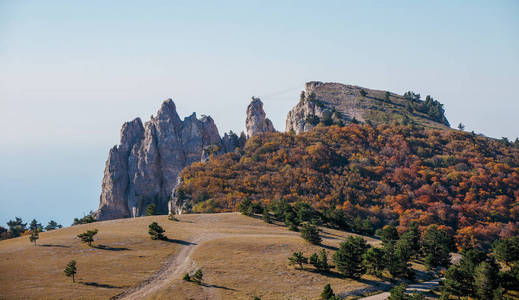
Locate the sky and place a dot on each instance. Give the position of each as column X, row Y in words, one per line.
column 72, row 72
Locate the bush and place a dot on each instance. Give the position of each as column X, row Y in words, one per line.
column 186, row 277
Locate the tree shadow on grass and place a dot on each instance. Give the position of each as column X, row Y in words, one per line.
column 217, row 287
column 329, row 274
column 382, row 285
column 329, row 247
column 101, row 285
column 104, row 247
column 181, row 242
column 53, row 245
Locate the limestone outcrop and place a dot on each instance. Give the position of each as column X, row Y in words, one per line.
column 335, row 103
column 144, row 167
column 256, row 121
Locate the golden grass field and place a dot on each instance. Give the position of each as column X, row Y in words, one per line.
column 242, row 257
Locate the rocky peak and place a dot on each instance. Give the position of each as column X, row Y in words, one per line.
column 144, row 168
column 335, row 103
column 256, row 121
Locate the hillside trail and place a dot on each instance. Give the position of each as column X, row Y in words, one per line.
column 179, row 264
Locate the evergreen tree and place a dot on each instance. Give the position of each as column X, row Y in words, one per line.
column 461, row 127
column 34, row 237
column 398, row 292
column 156, row 232
column 88, row 236
column 320, row 262
column 297, row 258
column 35, row 226
column 71, row 270
column 52, row 225
column 457, row 282
column 389, row 235
column 348, row 258
column 485, row 279
column 436, row 247
column 363, row 93
column 198, row 276
column 310, row 233
column 186, row 277
column 327, row 293
column 396, row 262
column 151, row 209
column 386, row 96
column 374, row 261
column 507, row 250
column 246, row 207
column 266, row 216
column 16, row 227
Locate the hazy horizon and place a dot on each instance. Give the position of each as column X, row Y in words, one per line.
column 73, row 73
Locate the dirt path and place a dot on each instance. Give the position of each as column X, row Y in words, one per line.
column 179, row 264
column 421, row 287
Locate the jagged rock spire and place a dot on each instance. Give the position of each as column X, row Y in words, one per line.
column 144, row 168
column 256, row 121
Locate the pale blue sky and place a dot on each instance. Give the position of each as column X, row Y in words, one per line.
column 71, row 72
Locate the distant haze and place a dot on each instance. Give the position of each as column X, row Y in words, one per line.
column 71, row 72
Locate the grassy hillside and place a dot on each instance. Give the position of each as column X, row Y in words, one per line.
column 374, row 175
column 241, row 257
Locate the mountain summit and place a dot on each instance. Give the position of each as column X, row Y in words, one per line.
column 336, row 103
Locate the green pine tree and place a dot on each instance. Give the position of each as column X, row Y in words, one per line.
column 297, row 258
column 485, row 279
column 348, row 258
column 34, row 237
column 156, row 232
column 310, row 233
column 327, row 292
column 71, row 270
column 198, row 276
column 151, row 209
column 88, row 236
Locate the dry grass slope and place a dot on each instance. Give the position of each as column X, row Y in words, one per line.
column 242, row 257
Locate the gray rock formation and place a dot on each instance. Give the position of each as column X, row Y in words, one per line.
column 340, row 104
column 144, row 168
column 256, row 121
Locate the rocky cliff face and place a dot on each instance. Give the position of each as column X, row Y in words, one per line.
column 335, row 103
column 256, row 121
column 144, row 168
